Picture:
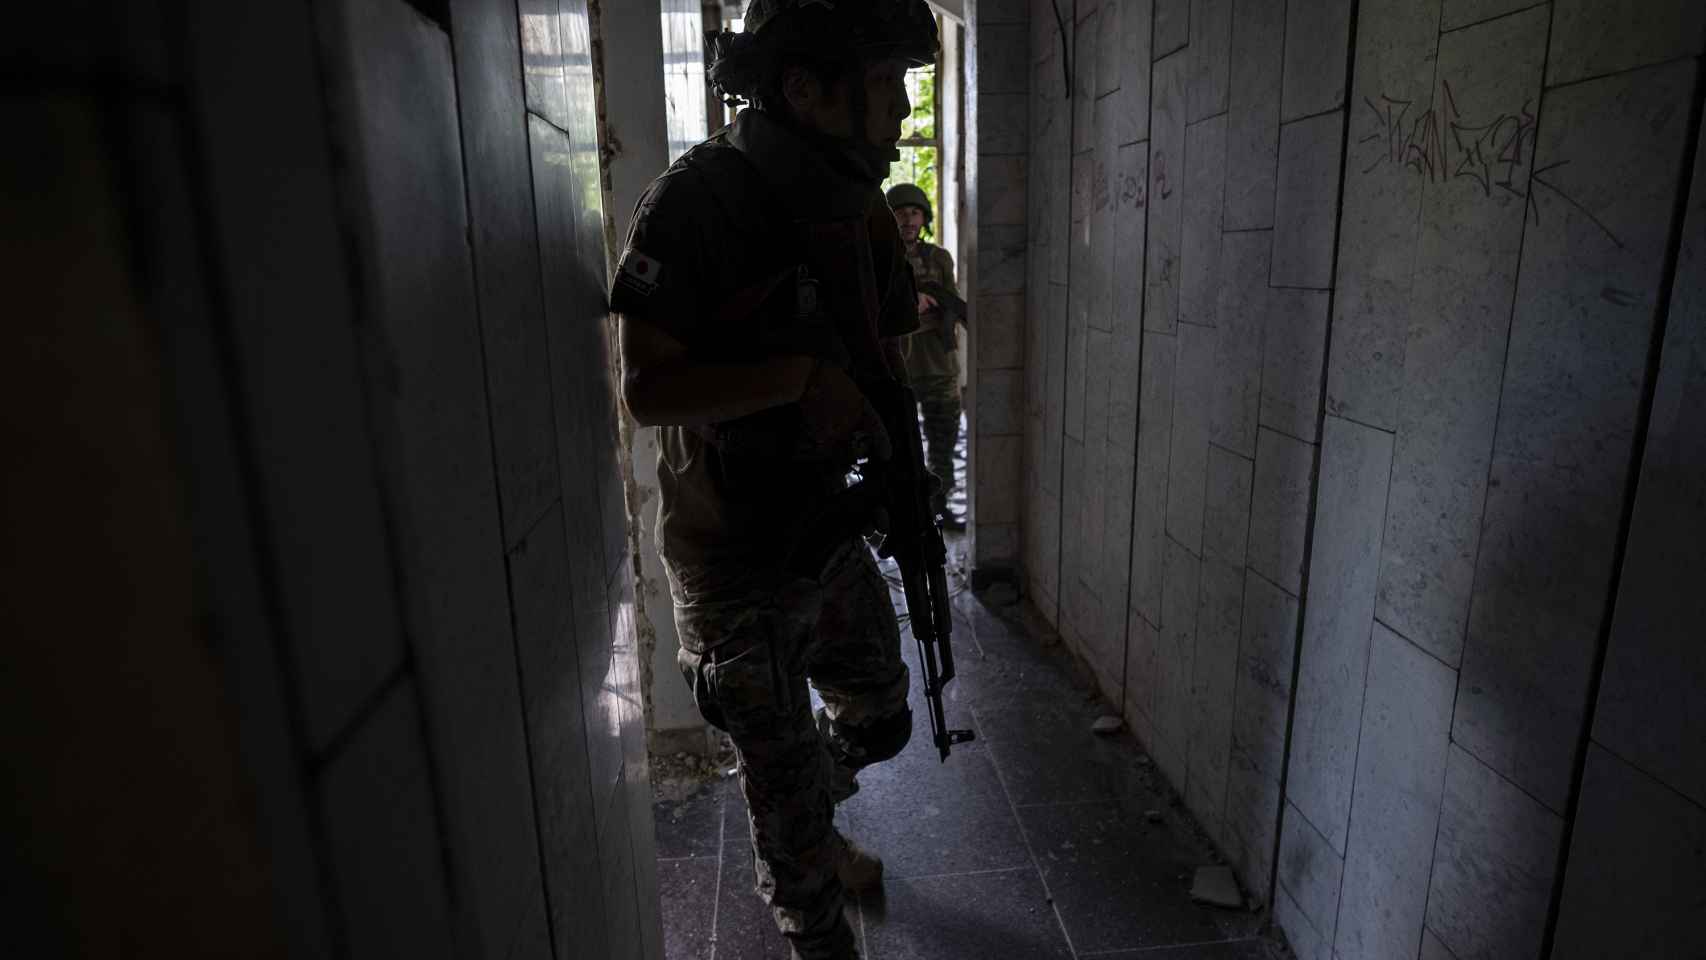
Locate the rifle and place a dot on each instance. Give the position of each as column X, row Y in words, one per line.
column 914, row 540
column 900, row 489
column 953, row 305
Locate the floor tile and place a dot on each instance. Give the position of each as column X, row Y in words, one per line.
column 688, row 827
column 1121, row 882
column 926, row 817
column 1004, row 914
column 1046, row 752
column 687, row 891
column 745, row 928
column 1252, row 949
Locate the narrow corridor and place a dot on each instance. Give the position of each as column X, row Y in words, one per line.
column 1039, row 840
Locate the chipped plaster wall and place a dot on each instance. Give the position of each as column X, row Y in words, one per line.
column 652, row 109
column 1361, row 338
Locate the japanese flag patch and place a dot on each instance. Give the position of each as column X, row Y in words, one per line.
column 639, row 273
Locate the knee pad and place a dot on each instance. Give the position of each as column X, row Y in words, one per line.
column 865, row 744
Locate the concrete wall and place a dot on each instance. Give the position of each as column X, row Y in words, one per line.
column 1359, row 343
column 993, row 272
column 367, row 247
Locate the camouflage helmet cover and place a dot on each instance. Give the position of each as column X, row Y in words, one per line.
column 865, row 29
column 910, row 195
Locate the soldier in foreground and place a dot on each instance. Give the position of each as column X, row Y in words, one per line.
column 761, row 295
column 932, row 354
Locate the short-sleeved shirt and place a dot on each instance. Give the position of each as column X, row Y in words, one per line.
column 932, row 351
column 721, row 223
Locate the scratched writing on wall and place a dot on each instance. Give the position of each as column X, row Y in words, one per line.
column 1441, row 144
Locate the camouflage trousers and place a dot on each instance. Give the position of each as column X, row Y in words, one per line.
column 749, row 662
column 939, row 400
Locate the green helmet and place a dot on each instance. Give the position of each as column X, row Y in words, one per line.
column 827, row 29
column 910, row 195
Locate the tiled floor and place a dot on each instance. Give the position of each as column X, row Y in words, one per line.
column 1039, row 840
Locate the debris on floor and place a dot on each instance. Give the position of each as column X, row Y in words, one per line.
column 1153, row 816
column 1216, row 887
column 1107, row 725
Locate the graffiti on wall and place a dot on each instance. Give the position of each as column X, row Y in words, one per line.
column 1494, row 153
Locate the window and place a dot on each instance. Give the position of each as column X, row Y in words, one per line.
column 920, row 141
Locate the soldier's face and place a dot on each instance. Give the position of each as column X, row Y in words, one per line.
column 830, row 109
column 886, row 104
column 910, row 220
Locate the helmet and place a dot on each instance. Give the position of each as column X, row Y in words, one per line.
column 828, row 29
column 910, row 195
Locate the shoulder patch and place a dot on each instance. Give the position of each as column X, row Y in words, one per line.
column 638, row 272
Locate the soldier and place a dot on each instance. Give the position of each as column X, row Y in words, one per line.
column 932, row 354
column 763, row 275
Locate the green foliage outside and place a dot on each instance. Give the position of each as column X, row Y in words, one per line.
column 918, row 164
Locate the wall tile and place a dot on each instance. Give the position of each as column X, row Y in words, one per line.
column 1210, row 55
column 1000, row 403
column 542, row 57
column 1252, row 822
column 1432, row 948
column 1241, row 319
column 1355, row 462
column 1054, row 413
column 1000, row 332
column 1108, row 47
column 1458, row 14
column 1166, row 194
column 997, row 545
column 1001, row 259
column 1113, row 582
column 1630, row 830
column 1279, row 511
column 1131, row 111
column 1214, row 674
column 1653, row 665
column 1226, row 514
column 545, row 627
column 1252, row 129
column 997, row 474
column 1000, row 190
column 1187, row 463
column 1172, row 26
column 1143, row 647
column 1464, row 285
column 1317, row 40
column 1493, row 864
column 1154, row 441
column 1205, row 189
column 1310, row 870
column 1305, row 941
column 1001, row 11
column 1294, row 347
column 383, row 836
column 1267, row 648
column 1306, row 205
column 1084, row 83
column 1002, row 56
column 1174, row 659
column 1101, row 214
column 1002, row 125
column 1131, row 207
column 1397, row 46
column 506, row 258
column 1568, row 413
column 433, row 426
column 1077, row 362
column 1592, row 39
column 1406, row 727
